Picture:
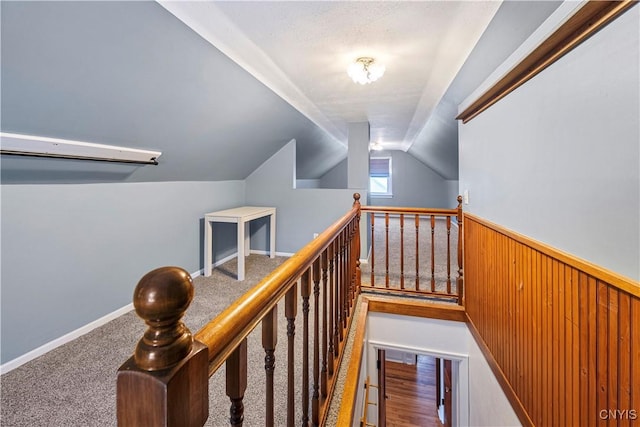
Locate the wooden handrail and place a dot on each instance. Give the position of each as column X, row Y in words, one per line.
column 174, row 366
column 409, row 210
column 225, row 332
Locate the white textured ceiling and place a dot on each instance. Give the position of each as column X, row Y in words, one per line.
column 301, row 50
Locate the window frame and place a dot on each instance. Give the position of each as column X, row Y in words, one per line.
column 389, row 192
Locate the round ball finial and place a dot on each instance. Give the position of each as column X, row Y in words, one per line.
column 459, row 199
column 161, row 299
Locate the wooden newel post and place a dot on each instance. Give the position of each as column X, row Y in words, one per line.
column 460, row 282
column 165, row 382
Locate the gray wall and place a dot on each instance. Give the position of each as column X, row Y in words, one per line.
column 77, row 236
column 74, row 253
column 336, row 177
column 131, row 74
column 300, row 212
column 357, row 162
column 414, row 184
column 558, row 159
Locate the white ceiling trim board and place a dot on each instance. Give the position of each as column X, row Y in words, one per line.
column 444, row 72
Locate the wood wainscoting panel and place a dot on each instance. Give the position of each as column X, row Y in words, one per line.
column 563, row 334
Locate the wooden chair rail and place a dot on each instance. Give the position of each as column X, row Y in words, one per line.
column 593, row 16
column 619, row 281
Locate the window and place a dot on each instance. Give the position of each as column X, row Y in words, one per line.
column 380, row 176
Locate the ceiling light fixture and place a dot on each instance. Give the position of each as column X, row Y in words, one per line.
column 365, row 70
column 376, row 146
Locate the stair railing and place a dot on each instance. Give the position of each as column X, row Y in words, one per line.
column 165, row 382
column 411, row 251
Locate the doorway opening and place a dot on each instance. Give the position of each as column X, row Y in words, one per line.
column 415, row 389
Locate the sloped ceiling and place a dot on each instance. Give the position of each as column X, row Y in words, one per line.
column 437, row 143
column 223, row 93
column 302, row 50
column 131, row 74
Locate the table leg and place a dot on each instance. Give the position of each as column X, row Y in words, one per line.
column 272, row 233
column 247, row 238
column 241, row 230
column 208, row 234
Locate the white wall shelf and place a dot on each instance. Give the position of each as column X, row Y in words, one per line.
column 39, row 146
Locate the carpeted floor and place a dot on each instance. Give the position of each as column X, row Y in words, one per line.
column 404, row 263
column 74, row 385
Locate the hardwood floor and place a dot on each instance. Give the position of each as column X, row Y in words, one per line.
column 411, row 394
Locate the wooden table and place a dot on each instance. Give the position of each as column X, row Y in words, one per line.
column 241, row 216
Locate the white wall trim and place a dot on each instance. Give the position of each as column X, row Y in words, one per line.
column 424, row 351
column 21, row 360
column 43, row 349
column 459, row 374
column 257, row 252
column 51, row 345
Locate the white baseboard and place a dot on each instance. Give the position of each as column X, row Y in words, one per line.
column 21, row 360
column 286, row 254
column 51, row 345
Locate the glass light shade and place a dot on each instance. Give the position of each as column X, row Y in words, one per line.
column 365, row 71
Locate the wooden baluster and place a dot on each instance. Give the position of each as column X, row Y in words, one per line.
column 401, row 251
column 352, row 264
column 460, row 281
column 345, row 284
column 349, row 261
column 337, row 311
column 339, row 295
column 448, row 254
column 315, row 396
column 373, row 253
column 290, row 312
column 386, row 249
column 347, row 270
column 166, row 381
column 269, row 342
column 305, row 290
column 236, row 370
column 325, row 327
column 417, row 253
column 354, row 247
column 331, row 327
column 433, row 253
column 356, row 243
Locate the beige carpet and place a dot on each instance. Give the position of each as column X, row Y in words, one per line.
column 74, row 385
column 404, row 264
